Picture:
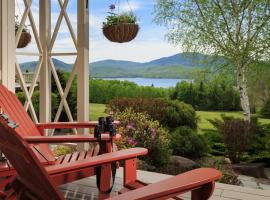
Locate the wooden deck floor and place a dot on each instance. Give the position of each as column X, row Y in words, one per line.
column 86, row 188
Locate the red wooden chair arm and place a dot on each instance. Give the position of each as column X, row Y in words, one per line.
column 68, row 125
column 191, row 180
column 97, row 160
column 68, row 138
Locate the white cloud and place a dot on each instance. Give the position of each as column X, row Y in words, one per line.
column 134, row 51
column 95, row 22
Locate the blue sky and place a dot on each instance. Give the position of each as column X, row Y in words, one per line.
column 149, row 44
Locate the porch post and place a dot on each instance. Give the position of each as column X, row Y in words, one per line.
column 7, row 44
column 83, row 62
column 45, row 72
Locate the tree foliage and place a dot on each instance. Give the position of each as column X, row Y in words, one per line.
column 171, row 114
column 217, row 94
column 71, row 97
column 236, row 29
column 103, row 91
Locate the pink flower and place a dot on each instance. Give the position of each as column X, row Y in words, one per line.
column 132, row 141
column 130, row 127
column 153, row 133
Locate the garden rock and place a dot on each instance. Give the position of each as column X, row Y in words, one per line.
column 227, row 161
column 254, row 169
column 141, row 164
column 180, row 164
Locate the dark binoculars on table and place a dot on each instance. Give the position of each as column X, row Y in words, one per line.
column 105, row 125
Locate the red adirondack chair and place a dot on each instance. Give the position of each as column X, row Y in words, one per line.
column 10, row 105
column 35, row 181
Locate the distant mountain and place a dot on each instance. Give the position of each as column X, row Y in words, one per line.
column 176, row 66
column 116, row 64
column 183, row 59
column 31, row 66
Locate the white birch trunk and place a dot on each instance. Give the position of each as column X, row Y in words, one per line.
column 243, row 90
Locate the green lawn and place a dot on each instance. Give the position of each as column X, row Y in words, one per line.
column 97, row 110
column 205, row 115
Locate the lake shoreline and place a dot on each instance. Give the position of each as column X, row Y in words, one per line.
column 140, row 77
column 153, row 82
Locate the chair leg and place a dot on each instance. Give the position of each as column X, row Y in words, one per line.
column 21, row 192
column 204, row 192
column 130, row 173
column 5, row 181
column 5, row 187
column 106, row 171
column 105, row 181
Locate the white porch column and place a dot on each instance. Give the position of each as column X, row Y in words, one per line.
column 83, row 62
column 45, row 72
column 7, row 44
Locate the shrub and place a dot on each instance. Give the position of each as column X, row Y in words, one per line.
column 187, row 142
column 169, row 113
column 138, row 129
column 179, row 114
column 215, row 142
column 237, row 136
column 265, row 111
column 252, row 146
column 259, row 148
column 35, row 101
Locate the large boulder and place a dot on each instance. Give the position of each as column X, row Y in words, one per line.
column 179, row 165
column 142, row 165
column 176, row 166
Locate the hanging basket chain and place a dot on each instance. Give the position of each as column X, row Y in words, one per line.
column 25, row 37
column 129, row 6
column 119, row 7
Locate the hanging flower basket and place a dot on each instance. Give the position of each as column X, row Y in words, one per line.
column 120, row 28
column 121, row 33
column 25, row 39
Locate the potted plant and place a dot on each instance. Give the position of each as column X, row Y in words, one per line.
column 25, row 38
column 121, row 27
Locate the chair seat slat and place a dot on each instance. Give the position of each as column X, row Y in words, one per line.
column 74, row 157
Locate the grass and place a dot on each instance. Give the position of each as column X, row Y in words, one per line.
column 98, row 110
column 205, row 115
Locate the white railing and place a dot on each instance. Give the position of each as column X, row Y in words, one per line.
column 28, row 78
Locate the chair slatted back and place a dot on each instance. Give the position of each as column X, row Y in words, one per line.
column 11, row 105
column 30, row 173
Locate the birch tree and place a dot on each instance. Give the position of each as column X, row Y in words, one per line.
column 236, row 29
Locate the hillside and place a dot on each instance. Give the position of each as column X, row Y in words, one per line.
column 30, row 66
column 177, row 66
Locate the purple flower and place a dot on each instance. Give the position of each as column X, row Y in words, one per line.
column 112, row 6
column 132, row 141
column 153, row 133
column 130, row 127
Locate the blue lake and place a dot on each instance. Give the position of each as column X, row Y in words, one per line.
column 156, row 82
